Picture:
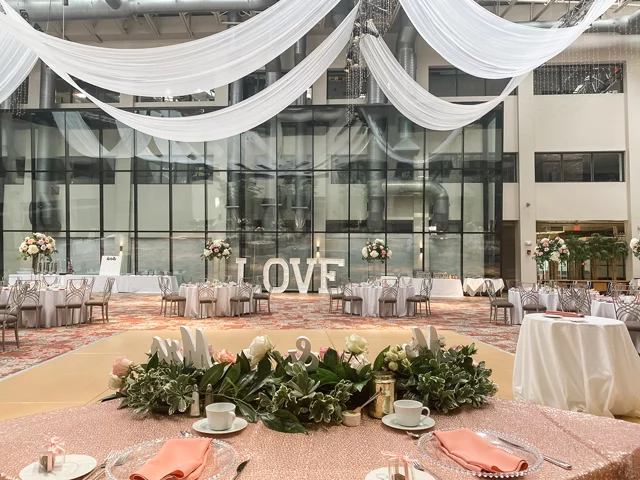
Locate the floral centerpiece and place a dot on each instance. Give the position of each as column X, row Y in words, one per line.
column 376, row 251
column 217, row 249
column 551, row 250
column 635, row 248
column 287, row 397
column 35, row 245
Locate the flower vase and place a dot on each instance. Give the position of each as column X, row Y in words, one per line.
column 34, row 263
column 553, row 271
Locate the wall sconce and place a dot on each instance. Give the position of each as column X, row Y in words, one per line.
column 318, row 246
column 421, row 250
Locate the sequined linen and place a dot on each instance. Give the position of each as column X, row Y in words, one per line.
column 598, row 448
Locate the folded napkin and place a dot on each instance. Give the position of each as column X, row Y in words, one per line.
column 182, row 458
column 474, row 453
column 565, row 314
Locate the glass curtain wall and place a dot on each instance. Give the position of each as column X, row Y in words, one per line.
column 305, row 184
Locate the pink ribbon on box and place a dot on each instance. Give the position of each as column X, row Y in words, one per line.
column 396, row 456
column 55, row 446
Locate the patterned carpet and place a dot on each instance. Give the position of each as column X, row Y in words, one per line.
column 467, row 316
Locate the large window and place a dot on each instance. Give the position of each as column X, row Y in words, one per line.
column 580, row 167
column 510, row 168
column 578, row 79
column 452, row 82
column 65, row 93
column 302, row 181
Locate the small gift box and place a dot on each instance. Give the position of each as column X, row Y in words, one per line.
column 398, row 466
column 54, row 456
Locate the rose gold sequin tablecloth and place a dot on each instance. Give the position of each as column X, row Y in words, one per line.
column 598, row 448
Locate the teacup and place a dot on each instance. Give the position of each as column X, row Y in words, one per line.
column 408, row 412
column 220, row 416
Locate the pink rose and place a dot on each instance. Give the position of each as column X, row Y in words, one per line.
column 322, row 352
column 539, row 254
column 216, row 250
column 224, row 356
column 121, row 366
column 40, row 242
column 31, row 241
column 211, row 350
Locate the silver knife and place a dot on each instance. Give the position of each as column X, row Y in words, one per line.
column 554, row 461
column 240, row 469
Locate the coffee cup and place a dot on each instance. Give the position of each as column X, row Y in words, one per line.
column 220, row 416
column 408, row 412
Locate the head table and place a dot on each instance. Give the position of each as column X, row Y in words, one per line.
column 598, row 448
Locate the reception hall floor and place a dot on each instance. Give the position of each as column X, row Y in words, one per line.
column 468, row 316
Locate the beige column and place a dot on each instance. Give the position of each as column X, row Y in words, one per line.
column 632, row 157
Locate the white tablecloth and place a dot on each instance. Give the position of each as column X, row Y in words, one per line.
column 370, row 296
column 442, row 287
column 472, row 286
column 589, row 367
column 223, row 306
column 98, row 285
column 142, row 284
column 48, row 299
column 549, row 300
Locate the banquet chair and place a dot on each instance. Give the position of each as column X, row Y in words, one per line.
column 423, row 297
column 207, row 298
column 389, row 297
column 496, row 303
column 567, row 298
column 260, row 296
column 236, row 303
column 32, row 300
column 73, row 300
column 12, row 315
column 89, row 284
column 627, row 312
column 102, row 302
column 349, row 297
column 405, row 281
column 335, row 293
column 169, row 297
column 530, row 299
column 581, row 300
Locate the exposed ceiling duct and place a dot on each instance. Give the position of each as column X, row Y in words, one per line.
column 627, row 25
column 47, row 10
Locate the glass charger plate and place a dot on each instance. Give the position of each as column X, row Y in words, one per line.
column 222, row 457
column 430, row 448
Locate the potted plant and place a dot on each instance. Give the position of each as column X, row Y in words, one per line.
column 618, row 254
column 580, row 253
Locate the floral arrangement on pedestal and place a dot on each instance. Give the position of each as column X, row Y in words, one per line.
column 635, row 248
column 376, row 251
column 217, row 249
column 287, row 397
column 35, row 245
column 551, row 250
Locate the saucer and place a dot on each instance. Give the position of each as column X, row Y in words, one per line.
column 548, row 315
column 578, row 320
column 383, row 474
column 74, row 466
column 425, row 422
column 202, row 426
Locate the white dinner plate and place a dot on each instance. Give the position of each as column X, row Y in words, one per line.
column 202, row 426
column 425, row 422
column 578, row 320
column 74, row 466
column 548, row 315
column 383, row 474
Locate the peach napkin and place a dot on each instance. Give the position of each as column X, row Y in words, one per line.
column 474, row 453
column 565, row 314
column 182, row 458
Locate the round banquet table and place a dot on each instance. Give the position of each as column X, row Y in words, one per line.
column 49, row 298
column 589, row 367
column 371, row 294
column 223, row 305
column 598, row 448
column 472, row 286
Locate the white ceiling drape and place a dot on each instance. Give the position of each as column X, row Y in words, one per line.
column 16, row 63
column 485, row 45
column 185, row 68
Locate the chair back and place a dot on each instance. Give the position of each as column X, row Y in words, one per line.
column 165, row 286
column 89, row 283
column 425, row 288
column 54, row 281
column 491, row 290
column 567, row 297
column 245, row 289
column 206, row 290
column 17, row 295
column 347, row 289
column 333, row 286
column 627, row 305
column 32, row 293
column 581, row 299
column 390, row 292
column 75, row 294
column 529, row 295
column 108, row 288
column 405, row 281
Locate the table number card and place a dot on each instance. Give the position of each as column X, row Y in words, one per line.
column 110, row 265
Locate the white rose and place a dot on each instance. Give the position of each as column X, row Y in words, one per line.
column 389, row 253
column 365, row 252
column 356, row 344
column 259, row 347
column 358, row 362
column 115, row 382
column 374, row 254
column 402, row 355
column 555, row 257
column 393, row 366
column 392, row 356
column 23, row 246
column 632, row 244
column 226, row 253
column 561, row 241
column 43, row 248
column 546, row 249
column 33, row 249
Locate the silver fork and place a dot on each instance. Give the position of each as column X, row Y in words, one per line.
column 418, row 466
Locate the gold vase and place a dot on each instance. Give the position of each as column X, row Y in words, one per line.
column 383, row 405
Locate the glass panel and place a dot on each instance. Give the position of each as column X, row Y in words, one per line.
column 258, row 248
column 548, row 167
column 16, row 146
column 16, row 213
column 496, row 86
column 470, row 86
column 85, row 253
column 187, row 264
column 481, row 255
column 153, row 253
column 479, row 200
column 330, row 202
column 118, row 203
column 406, row 250
column 509, row 167
column 117, row 144
column 120, row 244
column 217, row 211
column 336, row 85
column 576, row 167
column 404, row 203
column 12, row 263
column 295, row 245
column 295, row 196
column 442, row 254
column 295, row 139
column 331, row 137
column 442, row 82
column 607, row 167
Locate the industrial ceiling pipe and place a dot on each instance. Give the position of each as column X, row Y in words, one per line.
column 47, row 10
